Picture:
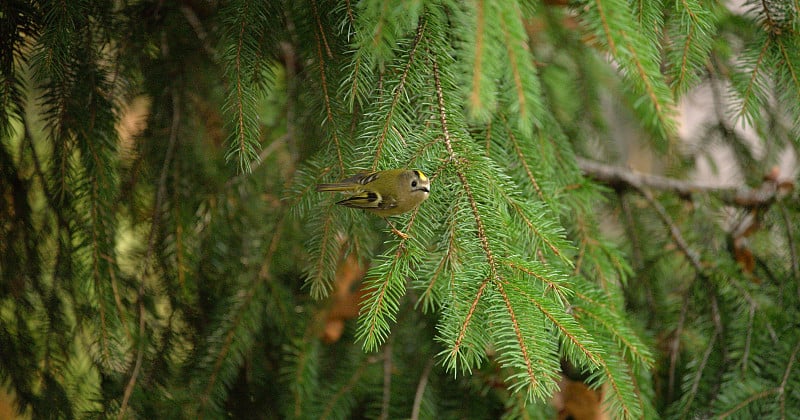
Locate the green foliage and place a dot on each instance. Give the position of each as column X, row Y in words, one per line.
column 190, row 269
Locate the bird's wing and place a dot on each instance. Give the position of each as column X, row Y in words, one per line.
column 349, row 184
column 368, row 200
column 362, row 178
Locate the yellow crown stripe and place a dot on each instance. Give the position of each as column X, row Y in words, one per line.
column 421, row 175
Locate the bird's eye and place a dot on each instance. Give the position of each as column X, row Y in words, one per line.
column 413, row 183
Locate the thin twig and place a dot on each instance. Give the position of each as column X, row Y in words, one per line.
column 744, row 403
column 320, row 38
column 387, row 380
column 423, row 383
column 37, row 165
column 782, row 389
column 674, row 348
column 398, row 93
column 675, row 232
column 791, row 245
column 699, row 374
column 156, row 220
column 749, row 339
column 199, row 30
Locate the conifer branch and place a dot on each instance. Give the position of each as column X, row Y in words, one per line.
column 789, row 63
column 462, row 331
column 748, row 340
column 345, row 390
column 782, row 388
column 354, row 85
column 376, row 35
column 264, row 275
column 771, row 26
column 627, row 411
column 305, row 359
column 382, row 294
column 606, row 28
column 748, row 94
column 692, row 26
column 674, row 231
column 349, row 8
column 518, row 55
column 621, row 178
column 378, row 302
column 154, row 228
column 619, row 336
column 387, row 381
column 117, row 299
column 523, row 347
column 320, row 285
column 511, row 50
column 448, row 258
column 549, row 285
column 567, row 331
column 644, row 76
column 474, row 95
column 698, row 375
column 536, row 231
column 522, row 160
column 38, row 169
column 464, row 183
column 420, row 392
column 98, row 284
column 319, row 36
column 755, row 397
column 687, row 43
column 202, row 35
column 205, row 396
column 320, row 30
column 398, row 90
column 626, row 46
column 241, row 131
column 474, row 207
column 795, row 264
column 494, row 277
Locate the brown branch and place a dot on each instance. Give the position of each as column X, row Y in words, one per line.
column 782, row 388
column 154, row 227
column 698, row 375
column 623, row 178
column 675, row 232
column 202, row 35
column 448, row 143
column 519, row 333
column 423, row 383
column 346, row 389
column 263, row 277
column 745, row 403
column 387, row 380
column 791, row 244
column 523, row 160
column 494, row 275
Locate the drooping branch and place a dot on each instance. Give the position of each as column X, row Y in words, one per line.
column 622, row 178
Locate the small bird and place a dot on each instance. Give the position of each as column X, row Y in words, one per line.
column 384, row 193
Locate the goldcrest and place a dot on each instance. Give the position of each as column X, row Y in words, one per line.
column 385, row 193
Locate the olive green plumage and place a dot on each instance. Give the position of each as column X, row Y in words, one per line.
column 385, row 193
